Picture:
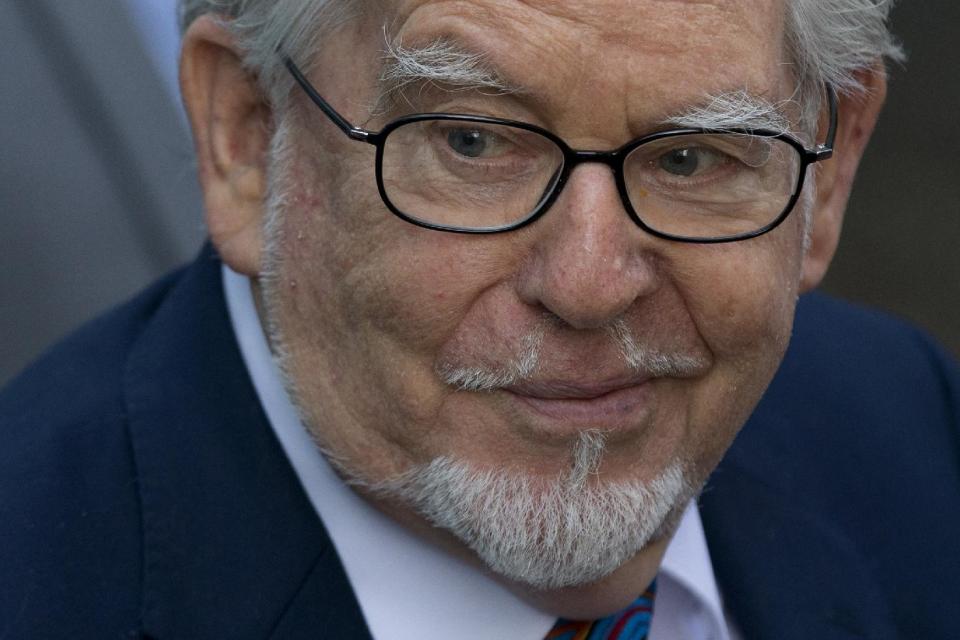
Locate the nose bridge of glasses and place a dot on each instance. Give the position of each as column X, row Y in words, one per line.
column 573, row 158
column 596, row 186
column 610, row 158
column 613, row 159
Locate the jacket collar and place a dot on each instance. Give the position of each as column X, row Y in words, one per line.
column 232, row 547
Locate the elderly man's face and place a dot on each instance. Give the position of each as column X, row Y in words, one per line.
column 376, row 316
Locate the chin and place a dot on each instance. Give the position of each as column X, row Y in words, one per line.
column 569, row 532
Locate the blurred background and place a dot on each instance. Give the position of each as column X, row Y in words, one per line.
column 98, row 195
column 900, row 248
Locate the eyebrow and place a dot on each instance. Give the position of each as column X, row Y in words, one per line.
column 446, row 65
column 442, row 64
column 736, row 110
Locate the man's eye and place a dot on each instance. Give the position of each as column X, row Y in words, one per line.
column 473, row 143
column 690, row 161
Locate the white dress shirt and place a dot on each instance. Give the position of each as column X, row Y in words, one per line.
column 411, row 590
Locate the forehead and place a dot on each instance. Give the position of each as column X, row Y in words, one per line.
column 665, row 51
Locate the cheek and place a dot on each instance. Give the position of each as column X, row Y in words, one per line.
column 743, row 306
column 743, row 294
column 402, row 283
column 368, row 301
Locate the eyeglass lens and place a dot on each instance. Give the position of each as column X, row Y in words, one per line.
column 475, row 175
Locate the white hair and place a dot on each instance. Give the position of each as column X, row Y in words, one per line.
column 827, row 41
column 638, row 358
column 487, row 378
column 264, row 27
column 439, row 63
column 547, row 533
column 736, row 110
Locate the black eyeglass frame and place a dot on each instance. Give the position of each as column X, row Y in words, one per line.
column 571, row 158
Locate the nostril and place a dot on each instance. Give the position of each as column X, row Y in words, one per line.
column 587, row 287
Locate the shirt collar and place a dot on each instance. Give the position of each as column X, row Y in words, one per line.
column 687, row 594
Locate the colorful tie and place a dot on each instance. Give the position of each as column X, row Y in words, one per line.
column 633, row 623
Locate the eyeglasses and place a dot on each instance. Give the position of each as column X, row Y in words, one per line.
column 474, row 174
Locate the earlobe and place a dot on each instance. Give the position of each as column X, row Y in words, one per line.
column 858, row 115
column 232, row 126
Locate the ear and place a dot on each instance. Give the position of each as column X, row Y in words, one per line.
column 231, row 130
column 858, row 115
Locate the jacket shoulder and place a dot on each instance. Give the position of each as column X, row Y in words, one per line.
column 68, row 484
column 77, row 377
column 860, row 394
column 867, row 371
column 861, row 426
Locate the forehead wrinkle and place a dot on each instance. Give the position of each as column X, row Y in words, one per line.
column 574, row 39
column 511, row 22
column 460, row 30
column 635, row 24
column 621, row 22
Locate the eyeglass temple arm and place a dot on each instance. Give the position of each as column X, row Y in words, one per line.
column 351, row 131
column 825, row 150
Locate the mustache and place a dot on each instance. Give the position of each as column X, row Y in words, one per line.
column 637, row 358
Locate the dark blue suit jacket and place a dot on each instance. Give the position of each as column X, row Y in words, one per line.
column 142, row 492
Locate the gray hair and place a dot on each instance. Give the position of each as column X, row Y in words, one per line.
column 262, row 27
column 828, row 41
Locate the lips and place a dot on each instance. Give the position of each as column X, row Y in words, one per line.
column 611, row 405
column 574, row 390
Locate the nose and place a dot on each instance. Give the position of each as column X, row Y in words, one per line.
column 589, row 262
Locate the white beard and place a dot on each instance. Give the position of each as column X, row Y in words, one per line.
column 541, row 533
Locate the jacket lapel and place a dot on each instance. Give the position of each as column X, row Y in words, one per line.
column 233, row 548
column 784, row 572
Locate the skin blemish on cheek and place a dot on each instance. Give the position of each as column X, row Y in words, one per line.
column 302, row 199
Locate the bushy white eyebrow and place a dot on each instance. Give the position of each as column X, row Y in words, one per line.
column 735, row 110
column 443, row 64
